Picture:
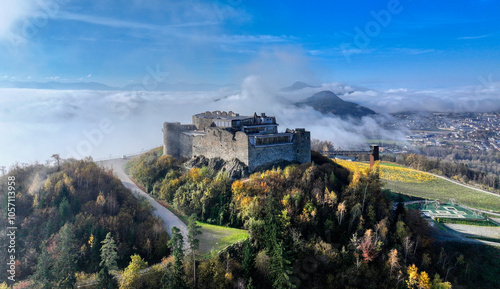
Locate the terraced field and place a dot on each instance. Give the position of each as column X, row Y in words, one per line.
column 424, row 185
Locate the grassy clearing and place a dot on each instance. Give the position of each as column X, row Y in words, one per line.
column 216, row 238
column 482, row 223
column 443, row 190
column 423, row 185
column 387, row 164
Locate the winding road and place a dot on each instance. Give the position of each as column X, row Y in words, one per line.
column 169, row 219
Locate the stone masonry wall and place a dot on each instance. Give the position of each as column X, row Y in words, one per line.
column 222, row 143
column 186, row 145
column 302, row 146
column 228, row 145
column 298, row 151
column 260, row 155
column 201, row 122
column 171, row 138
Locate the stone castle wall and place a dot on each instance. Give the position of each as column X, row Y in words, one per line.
column 184, row 141
column 297, row 151
column 222, row 143
column 186, row 145
column 171, row 131
column 302, row 146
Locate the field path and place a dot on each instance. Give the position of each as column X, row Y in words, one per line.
column 169, row 219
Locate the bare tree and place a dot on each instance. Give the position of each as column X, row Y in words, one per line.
column 57, row 158
column 341, row 211
column 322, row 146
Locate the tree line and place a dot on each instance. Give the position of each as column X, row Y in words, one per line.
column 64, row 214
column 313, row 225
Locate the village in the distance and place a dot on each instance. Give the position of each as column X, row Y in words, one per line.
column 474, row 132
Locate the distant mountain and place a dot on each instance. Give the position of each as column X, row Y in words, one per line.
column 296, row 86
column 161, row 86
column 56, row 85
column 179, row 86
column 328, row 102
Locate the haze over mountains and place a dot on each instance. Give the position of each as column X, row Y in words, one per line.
column 328, row 102
column 82, row 85
column 40, row 122
column 102, row 123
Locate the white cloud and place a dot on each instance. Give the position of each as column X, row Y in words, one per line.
column 110, row 22
column 462, row 99
column 397, row 90
column 485, row 96
column 473, row 37
column 20, row 19
column 414, row 51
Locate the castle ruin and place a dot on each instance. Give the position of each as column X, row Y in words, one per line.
column 254, row 140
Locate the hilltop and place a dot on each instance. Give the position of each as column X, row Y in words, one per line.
column 328, row 102
column 296, row 86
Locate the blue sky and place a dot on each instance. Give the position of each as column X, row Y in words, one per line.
column 408, row 55
column 376, row 44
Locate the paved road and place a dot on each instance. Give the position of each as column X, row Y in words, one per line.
column 170, row 219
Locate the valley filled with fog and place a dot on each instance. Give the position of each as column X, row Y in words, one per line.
column 37, row 123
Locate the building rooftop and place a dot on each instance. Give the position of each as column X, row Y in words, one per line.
column 222, row 115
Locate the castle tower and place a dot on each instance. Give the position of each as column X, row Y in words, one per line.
column 302, row 145
column 171, row 135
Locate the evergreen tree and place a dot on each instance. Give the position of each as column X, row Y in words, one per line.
column 108, row 263
column 43, row 276
column 65, row 263
column 108, row 253
column 194, row 243
column 174, row 275
column 248, row 259
column 281, row 268
column 276, row 243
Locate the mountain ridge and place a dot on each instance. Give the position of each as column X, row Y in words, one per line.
column 328, row 102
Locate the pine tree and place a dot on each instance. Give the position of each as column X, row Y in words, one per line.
column 281, row 268
column 280, row 263
column 108, row 253
column 174, row 275
column 43, row 276
column 194, row 243
column 248, row 259
column 65, row 264
column 108, row 263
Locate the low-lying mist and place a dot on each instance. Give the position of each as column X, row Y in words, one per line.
column 34, row 124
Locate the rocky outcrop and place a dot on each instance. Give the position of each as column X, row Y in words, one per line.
column 234, row 168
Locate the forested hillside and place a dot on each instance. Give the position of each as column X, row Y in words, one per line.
column 314, row 225
column 65, row 211
column 311, row 226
